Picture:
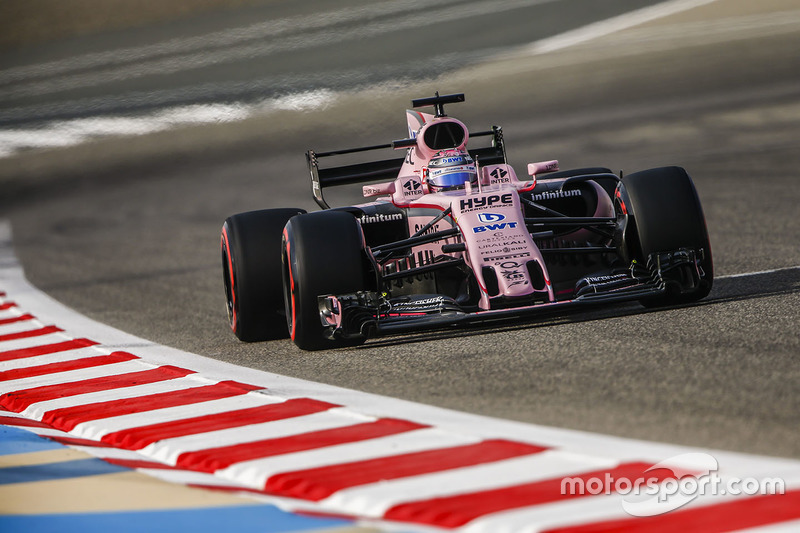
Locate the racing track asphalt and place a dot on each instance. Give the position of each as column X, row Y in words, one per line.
column 716, row 90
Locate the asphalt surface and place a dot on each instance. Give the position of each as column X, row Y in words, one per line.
column 132, row 240
column 273, row 48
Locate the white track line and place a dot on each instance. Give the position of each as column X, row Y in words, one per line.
column 230, row 44
column 614, row 24
column 759, row 273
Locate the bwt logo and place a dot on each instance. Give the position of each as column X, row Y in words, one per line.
column 494, row 227
column 485, row 201
column 490, row 217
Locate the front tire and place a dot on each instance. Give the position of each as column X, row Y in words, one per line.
column 323, row 253
column 251, row 269
column 667, row 216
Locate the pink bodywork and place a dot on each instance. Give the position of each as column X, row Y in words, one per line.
column 489, row 216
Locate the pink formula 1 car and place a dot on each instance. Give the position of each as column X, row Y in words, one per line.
column 454, row 235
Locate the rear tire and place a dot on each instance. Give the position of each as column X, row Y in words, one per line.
column 667, row 215
column 323, row 253
column 251, row 268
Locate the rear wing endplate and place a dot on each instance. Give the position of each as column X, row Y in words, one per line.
column 388, row 169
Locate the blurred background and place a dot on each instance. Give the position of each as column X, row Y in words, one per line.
column 130, row 129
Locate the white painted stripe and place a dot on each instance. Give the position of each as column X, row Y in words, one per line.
column 71, row 132
column 111, row 453
column 195, row 52
column 172, row 414
column 171, row 475
column 759, row 273
column 75, row 376
column 48, row 359
column 224, row 38
column 78, row 131
column 792, row 526
column 256, row 472
column 168, row 450
column 19, row 327
column 375, row 499
column 38, row 410
column 12, row 414
column 602, row 28
column 10, row 312
column 587, row 509
column 187, row 477
column 704, row 32
column 262, row 48
column 44, row 432
column 33, row 342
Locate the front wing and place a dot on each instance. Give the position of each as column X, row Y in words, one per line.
column 370, row 314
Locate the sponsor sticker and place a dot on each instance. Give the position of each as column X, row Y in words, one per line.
column 484, row 202
column 499, row 175
column 553, row 195
column 433, row 229
column 505, row 257
column 412, row 187
column 494, row 227
column 501, row 236
column 490, row 217
column 380, row 217
column 504, row 243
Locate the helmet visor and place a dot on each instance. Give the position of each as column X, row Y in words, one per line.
column 452, row 177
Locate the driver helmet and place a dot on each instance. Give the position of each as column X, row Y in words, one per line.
column 451, row 169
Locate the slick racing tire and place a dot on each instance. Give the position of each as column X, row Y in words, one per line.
column 667, row 216
column 323, row 253
column 251, row 269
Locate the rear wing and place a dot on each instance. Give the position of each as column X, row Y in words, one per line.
column 388, row 169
